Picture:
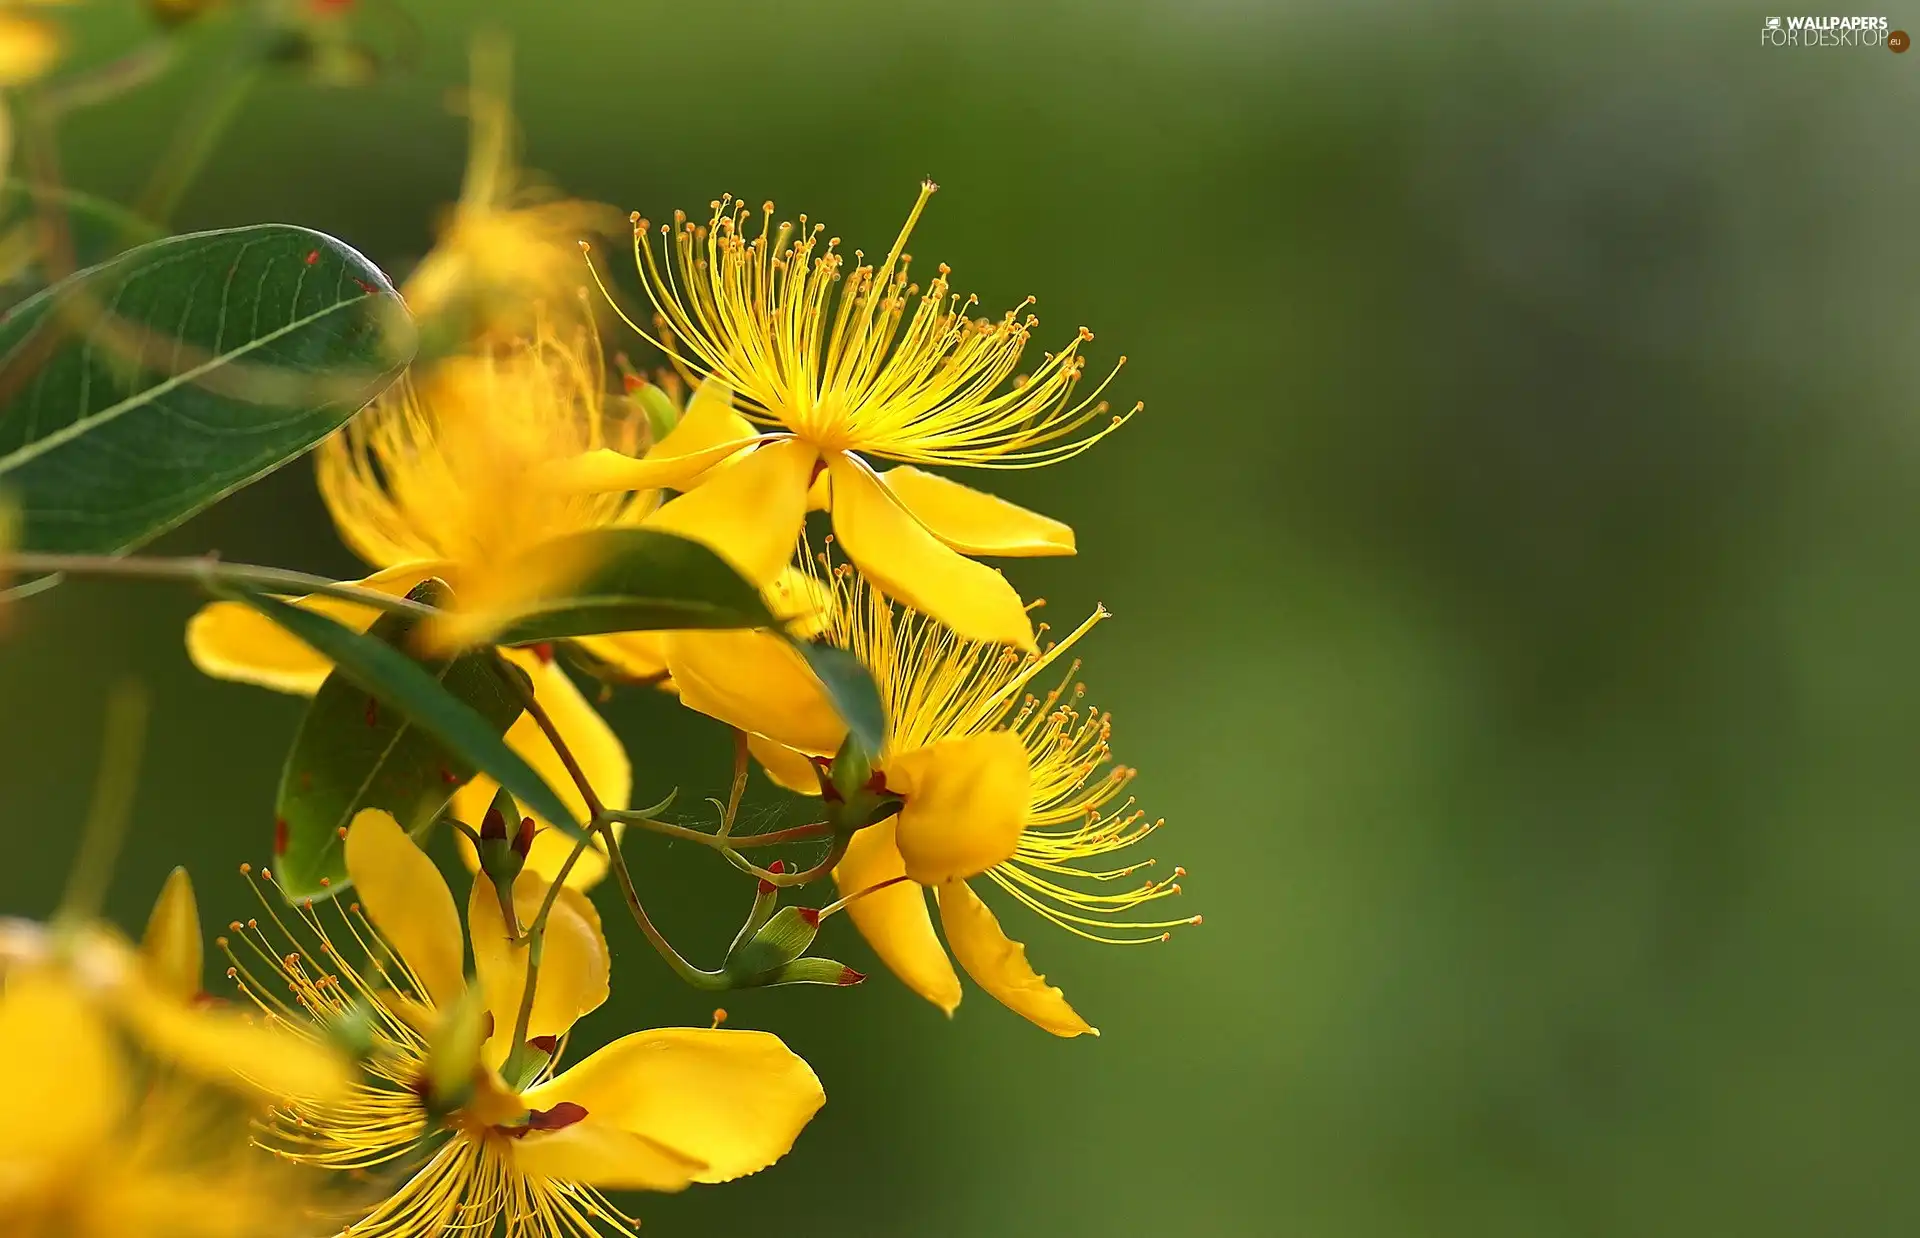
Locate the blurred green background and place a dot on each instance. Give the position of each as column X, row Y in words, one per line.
column 1514, row 568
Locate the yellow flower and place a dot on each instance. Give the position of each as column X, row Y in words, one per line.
column 654, row 1110
column 153, row 995
column 994, row 781
column 100, row 1145
column 833, row 360
column 130, row 1119
column 432, row 480
column 506, row 247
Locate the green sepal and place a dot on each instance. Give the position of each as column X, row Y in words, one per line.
column 812, row 971
column 783, row 938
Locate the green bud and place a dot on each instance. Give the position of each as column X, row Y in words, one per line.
column 352, row 1031
column 662, row 414
column 853, row 793
column 453, row 1053
column 501, row 857
column 763, row 902
column 782, row 939
column 813, row 971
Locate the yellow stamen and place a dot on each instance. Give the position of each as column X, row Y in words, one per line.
column 840, row 359
column 935, row 686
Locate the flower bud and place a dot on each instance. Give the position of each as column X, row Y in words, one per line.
column 782, row 939
column 662, row 414
column 453, row 1054
column 763, row 901
column 853, row 793
column 501, row 856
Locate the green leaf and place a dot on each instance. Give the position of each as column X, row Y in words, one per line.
column 137, row 392
column 398, row 681
column 642, row 580
column 352, row 753
column 852, row 691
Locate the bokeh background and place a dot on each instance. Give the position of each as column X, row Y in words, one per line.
column 1515, row 568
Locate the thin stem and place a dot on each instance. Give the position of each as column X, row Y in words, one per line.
column 686, row 971
column 112, row 806
column 201, row 569
column 796, row 834
column 541, row 718
column 103, row 82
column 732, row 812
column 801, row 878
column 536, row 940
column 193, row 143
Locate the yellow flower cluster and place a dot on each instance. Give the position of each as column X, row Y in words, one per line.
column 805, row 369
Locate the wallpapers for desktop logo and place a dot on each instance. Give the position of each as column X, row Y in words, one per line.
column 1832, row 31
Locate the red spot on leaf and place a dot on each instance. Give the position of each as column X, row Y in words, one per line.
column 544, row 652
column 313, row 256
column 449, row 777
column 279, row 835
column 373, row 711
column 365, row 287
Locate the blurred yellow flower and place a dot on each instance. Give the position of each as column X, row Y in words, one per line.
column 131, row 1118
column 832, row 359
column 101, row 1146
column 435, row 480
column 507, row 247
column 994, row 781
column 29, row 45
column 527, row 1158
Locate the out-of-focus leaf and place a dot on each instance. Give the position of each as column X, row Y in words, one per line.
column 139, row 391
column 642, row 580
column 351, row 752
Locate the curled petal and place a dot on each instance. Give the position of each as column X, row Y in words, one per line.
column 966, row 804
column 784, row 766
column 999, row 965
column 749, row 513
column 894, row 919
column 409, row 903
column 974, row 522
column 911, row 565
column 733, row 1100
column 755, row 682
column 573, row 962
column 595, row 1153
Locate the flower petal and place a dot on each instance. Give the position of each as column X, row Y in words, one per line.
column 910, row 565
column 602, row 757
column 966, row 803
column 751, row 512
column 999, row 965
column 631, row 655
column 228, row 1046
column 573, row 963
column 230, row 640
column 594, row 1153
column 894, row 920
column 172, row 949
column 710, row 433
column 974, row 522
column 784, row 766
column 71, row 1087
column 735, row 1100
column 408, row 901
column 756, row 682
